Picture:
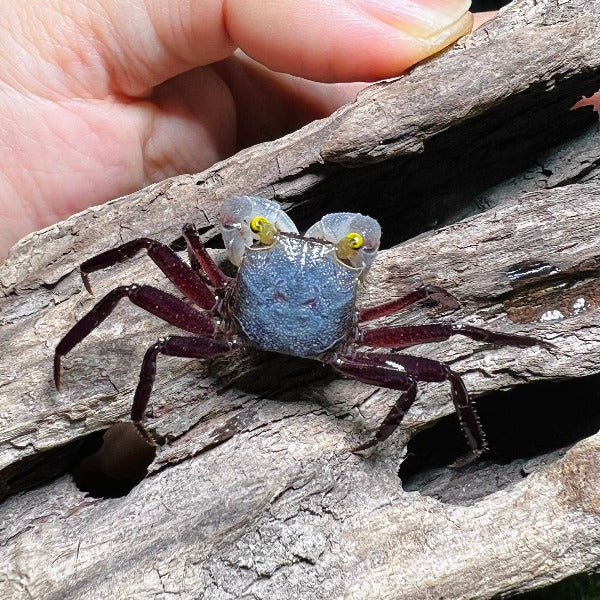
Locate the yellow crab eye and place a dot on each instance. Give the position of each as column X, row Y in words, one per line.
column 257, row 224
column 349, row 244
column 355, row 240
column 265, row 230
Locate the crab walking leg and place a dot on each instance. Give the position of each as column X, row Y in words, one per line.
column 404, row 336
column 394, row 417
column 425, row 292
column 198, row 252
column 397, row 371
column 395, row 377
column 181, row 275
column 161, row 304
column 176, row 345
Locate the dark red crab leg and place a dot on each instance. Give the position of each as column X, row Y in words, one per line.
column 394, row 417
column 404, row 336
column 176, row 345
column 161, row 304
column 197, row 250
column 400, row 371
column 181, row 275
column 425, row 292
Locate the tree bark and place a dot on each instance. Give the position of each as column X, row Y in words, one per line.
column 254, row 492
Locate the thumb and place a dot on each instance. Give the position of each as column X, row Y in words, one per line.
column 146, row 42
column 345, row 40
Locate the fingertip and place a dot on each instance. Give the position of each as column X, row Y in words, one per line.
column 354, row 40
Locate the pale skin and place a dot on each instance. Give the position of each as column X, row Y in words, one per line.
column 101, row 97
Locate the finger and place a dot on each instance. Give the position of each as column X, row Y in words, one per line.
column 269, row 104
column 139, row 44
column 204, row 115
column 351, row 40
column 333, row 40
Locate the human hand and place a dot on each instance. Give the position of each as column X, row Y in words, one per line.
column 99, row 98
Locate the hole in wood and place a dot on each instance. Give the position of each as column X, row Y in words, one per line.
column 38, row 469
column 455, row 175
column 527, row 428
column 114, row 461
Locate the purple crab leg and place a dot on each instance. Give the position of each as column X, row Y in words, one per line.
column 198, row 252
column 398, row 371
column 425, row 292
column 176, row 345
column 403, row 336
column 394, row 417
column 161, row 304
column 181, row 275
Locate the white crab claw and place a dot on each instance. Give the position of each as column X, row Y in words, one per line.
column 335, row 226
column 236, row 214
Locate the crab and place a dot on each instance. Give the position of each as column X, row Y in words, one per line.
column 293, row 294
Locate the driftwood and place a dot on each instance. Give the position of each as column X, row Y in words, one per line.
column 254, row 493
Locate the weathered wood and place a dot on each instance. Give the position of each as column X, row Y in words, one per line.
column 278, row 506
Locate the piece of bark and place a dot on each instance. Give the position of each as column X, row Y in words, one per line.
column 257, row 496
column 280, row 505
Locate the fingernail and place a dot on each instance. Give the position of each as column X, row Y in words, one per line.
column 424, row 19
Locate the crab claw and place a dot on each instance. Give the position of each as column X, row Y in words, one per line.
column 237, row 214
column 356, row 237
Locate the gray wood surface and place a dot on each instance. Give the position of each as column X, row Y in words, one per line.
column 255, row 493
